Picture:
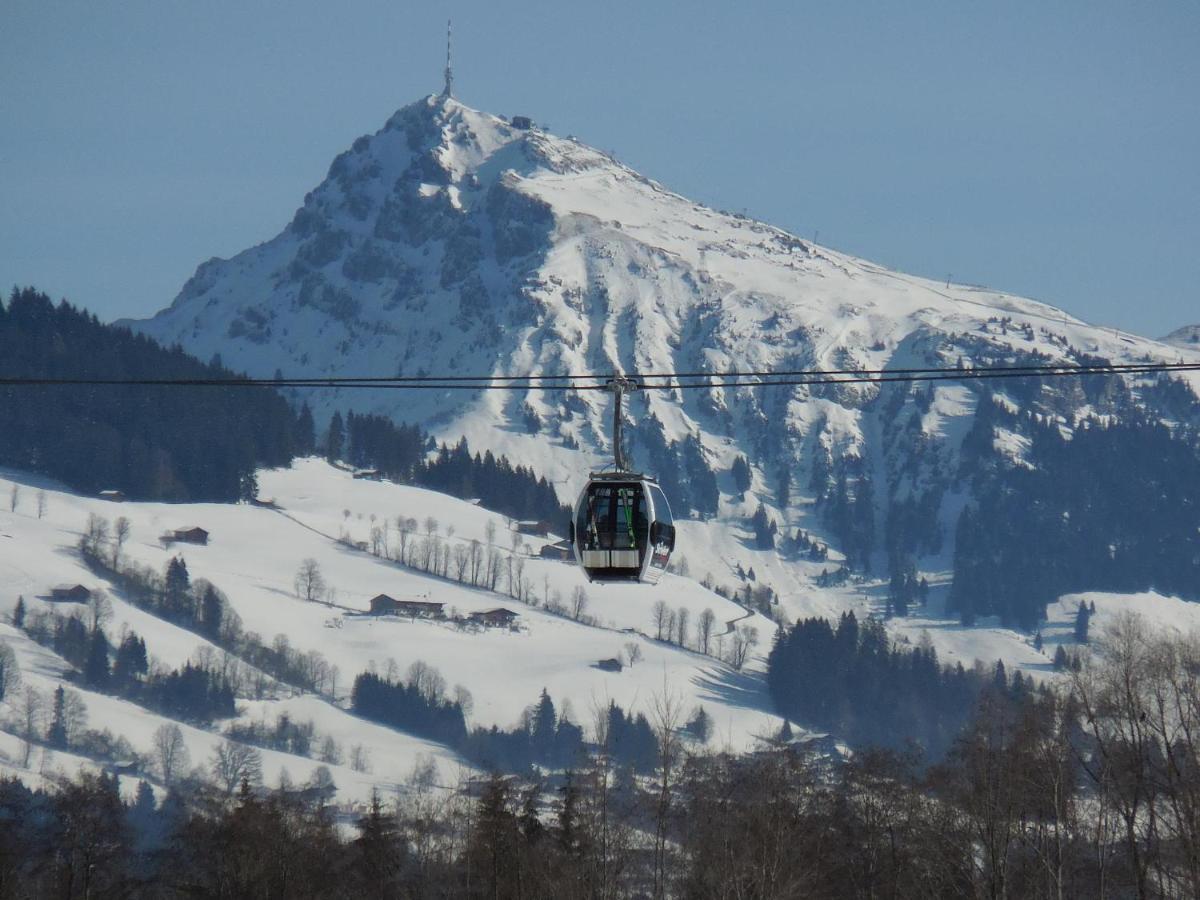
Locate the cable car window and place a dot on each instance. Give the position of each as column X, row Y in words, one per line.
column 662, row 509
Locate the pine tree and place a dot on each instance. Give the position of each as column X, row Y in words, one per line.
column 211, row 612
column 543, row 733
column 568, row 829
column 1037, row 641
column 306, row 431
column 741, row 474
column 95, row 672
column 1060, row 659
column 176, row 586
column 1000, row 676
column 130, row 661
column 379, row 852
column 56, row 735
column 335, row 441
column 19, row 613
column 1082, row 621
column 764, row 529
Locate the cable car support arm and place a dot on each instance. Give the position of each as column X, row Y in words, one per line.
column 619, row 385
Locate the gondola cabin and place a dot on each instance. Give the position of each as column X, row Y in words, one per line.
column 623, row 530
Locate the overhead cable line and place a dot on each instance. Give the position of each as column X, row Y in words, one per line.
column 649, row 381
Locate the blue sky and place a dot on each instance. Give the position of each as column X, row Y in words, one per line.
column 1049, row 149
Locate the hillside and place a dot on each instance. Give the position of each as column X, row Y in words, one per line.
column 252, row 557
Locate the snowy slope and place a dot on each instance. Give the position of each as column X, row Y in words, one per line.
column 254, row 552
column 253, row 555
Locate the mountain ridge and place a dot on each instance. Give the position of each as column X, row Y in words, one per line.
column 452, row 242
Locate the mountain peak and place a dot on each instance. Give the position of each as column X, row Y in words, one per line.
column 455, row 241
column 1187, row 336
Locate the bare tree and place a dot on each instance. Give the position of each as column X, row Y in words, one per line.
column 462, row 559
column 681, row 626
column 745, row 637
column 464, row 699
column 95, row 535
column 427, row 681
column 169, row 752
column 704, row 630
column 633, row 652
column 404, row 529
column 10, row 670
column 579, row 603
column 74, row 716
column 310, row 583
column 233, row 763
column 14, row 497
column 120, row 534
column 476, row 560
column 360, row 758
column 41, row 504
column 331, row 751
column 661, row 613
column 99, row 609
column 30, row 713
column 666, row 715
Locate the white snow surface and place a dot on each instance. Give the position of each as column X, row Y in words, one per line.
column 253, row 555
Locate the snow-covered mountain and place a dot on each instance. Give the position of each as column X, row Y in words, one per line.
column 454, row 242
column 1188, row 336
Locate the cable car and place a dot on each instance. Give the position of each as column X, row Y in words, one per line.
column 622, row 530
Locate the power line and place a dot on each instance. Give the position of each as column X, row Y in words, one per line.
column 660, row 380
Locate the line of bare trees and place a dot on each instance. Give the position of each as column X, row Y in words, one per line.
column 674, row 626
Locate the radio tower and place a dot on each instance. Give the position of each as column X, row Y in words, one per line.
column 448, row 90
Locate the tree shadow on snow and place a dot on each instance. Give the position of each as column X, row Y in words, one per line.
column 725, row 685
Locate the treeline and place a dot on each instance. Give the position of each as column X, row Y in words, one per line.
column 1115, row 507
column 194, row 692
column 399, row 452
column 1087, row 791
column 853, row 681
column 152, row 443
column 409, row 707
column 544, row 737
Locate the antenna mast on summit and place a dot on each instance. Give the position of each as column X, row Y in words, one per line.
column 448, row 91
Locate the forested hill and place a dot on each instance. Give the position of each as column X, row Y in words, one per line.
column 197, row 443
column 152, row 443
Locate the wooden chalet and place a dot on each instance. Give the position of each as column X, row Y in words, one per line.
column 383, row 605
column 70, row 593
column 192, row 534
column 494, row 618
column 535, row 527
column 113, row 496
